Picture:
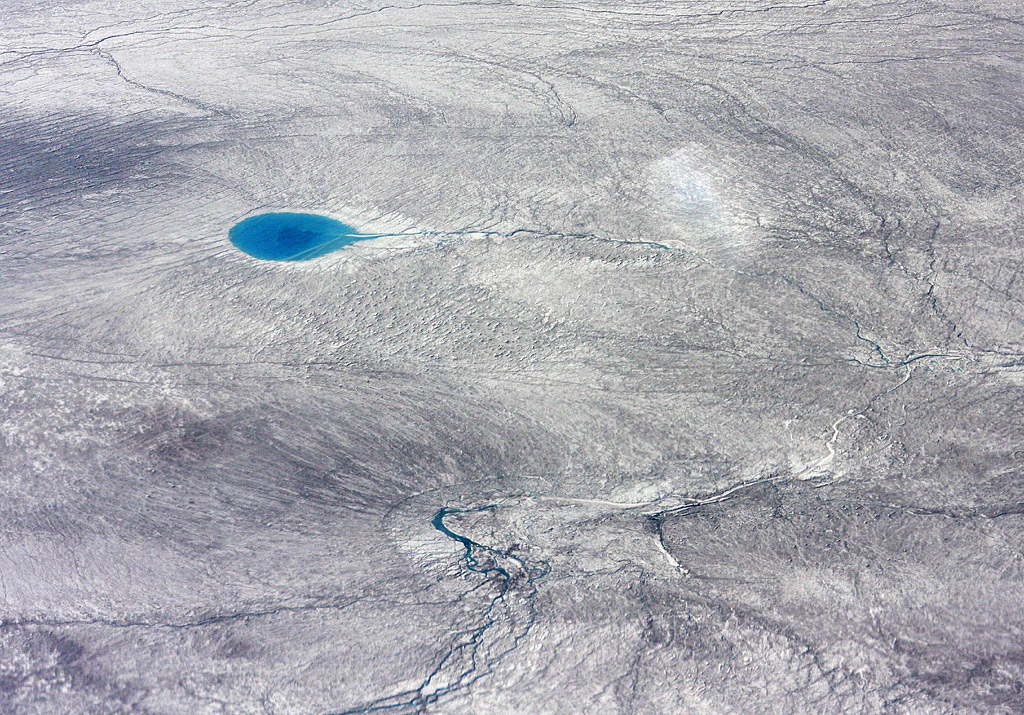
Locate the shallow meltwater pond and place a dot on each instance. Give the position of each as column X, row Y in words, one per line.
column 292, row 236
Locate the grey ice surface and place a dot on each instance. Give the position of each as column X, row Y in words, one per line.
column 705, row 325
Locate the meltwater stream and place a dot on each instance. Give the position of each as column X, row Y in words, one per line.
column 505, row 622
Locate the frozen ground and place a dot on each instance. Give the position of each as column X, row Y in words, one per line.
column 695, row 385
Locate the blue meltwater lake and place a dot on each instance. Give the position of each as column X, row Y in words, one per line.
column 292, row 236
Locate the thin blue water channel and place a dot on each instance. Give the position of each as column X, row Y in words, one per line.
column 284, row 236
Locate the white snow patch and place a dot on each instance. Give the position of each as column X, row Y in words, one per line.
column 703, row 208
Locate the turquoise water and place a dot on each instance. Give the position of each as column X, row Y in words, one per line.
column 292, row 236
